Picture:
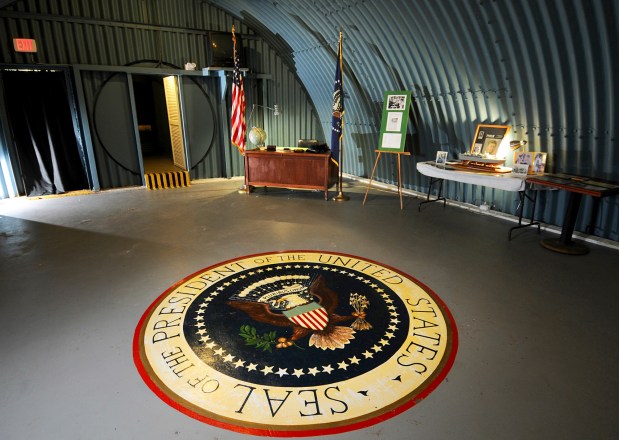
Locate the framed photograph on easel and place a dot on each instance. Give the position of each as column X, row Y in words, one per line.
column 395, row 121
column 392, row 137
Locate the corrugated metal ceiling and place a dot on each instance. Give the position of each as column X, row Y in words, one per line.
column 548, row 68
column 544, row 67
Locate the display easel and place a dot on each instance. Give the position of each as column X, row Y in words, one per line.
column 399, row 153
column 392, row 138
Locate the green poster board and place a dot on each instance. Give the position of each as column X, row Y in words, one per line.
column 395, row 121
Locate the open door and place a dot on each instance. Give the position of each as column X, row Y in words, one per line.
column 175, row 121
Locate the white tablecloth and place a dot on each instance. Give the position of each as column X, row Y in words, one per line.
column 499, row 181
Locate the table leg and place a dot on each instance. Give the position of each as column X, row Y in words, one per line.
column 590, row 229
column 439, row 196
column 524, row 196
column 564, row 244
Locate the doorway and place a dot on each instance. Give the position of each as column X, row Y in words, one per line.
column 159, row 124
column 41, row 117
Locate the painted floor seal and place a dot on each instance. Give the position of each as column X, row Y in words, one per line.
column 295, row 343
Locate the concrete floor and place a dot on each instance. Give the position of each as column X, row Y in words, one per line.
column 538, row 330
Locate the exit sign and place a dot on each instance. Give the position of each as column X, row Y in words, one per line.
column 24, row 45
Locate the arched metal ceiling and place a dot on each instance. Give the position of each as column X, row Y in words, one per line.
column 548, row 68
column 545, row 67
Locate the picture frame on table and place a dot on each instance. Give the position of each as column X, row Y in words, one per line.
column 520, row 170
column 441, row 159
column 488, row 139
column 539, row 163
column 534, row 160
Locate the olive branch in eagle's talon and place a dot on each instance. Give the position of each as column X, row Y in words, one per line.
column 266, row 341
column 253, row 339
column 360, row 303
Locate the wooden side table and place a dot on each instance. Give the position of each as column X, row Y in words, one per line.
column 577, row 186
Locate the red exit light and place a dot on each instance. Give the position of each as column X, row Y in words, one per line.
column 24, row 45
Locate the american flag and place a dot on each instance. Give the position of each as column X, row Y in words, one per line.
column 238, row 103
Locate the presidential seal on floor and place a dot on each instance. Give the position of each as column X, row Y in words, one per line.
column 295, row 343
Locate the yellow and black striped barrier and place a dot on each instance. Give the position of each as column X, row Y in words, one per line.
column 172, row 179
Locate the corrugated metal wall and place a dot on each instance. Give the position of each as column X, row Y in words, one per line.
column 166, row 34
column 547, row 68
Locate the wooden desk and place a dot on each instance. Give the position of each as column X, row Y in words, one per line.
column 287, row 169
column 577, row 186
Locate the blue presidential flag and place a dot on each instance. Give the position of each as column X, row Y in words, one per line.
column 338, row 107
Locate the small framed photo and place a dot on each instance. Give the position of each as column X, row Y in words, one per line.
column 394, row 121
column 522, row 158
column 391, row 141
column 520, row 170
column 441, row 158
column 396, row 102
column 539, row 163
column 535, row 161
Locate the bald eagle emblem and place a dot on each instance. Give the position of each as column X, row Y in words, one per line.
column 304, row 304
column 338, row 107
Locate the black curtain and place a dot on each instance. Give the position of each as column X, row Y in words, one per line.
column 41, row 123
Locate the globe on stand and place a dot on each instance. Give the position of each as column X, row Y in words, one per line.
column 257, row 136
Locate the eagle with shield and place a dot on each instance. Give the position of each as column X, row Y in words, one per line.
column 304, row 304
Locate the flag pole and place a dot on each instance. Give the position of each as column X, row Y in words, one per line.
column 341, row 197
